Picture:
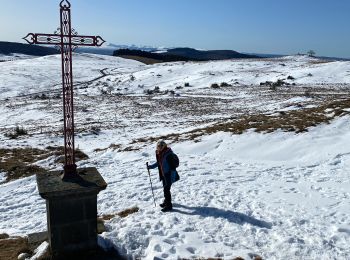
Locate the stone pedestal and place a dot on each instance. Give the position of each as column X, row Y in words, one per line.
column 71, row 207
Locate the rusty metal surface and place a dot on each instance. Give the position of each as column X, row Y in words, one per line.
column 67, row 39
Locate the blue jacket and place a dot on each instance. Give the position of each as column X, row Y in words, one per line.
column 167, row 172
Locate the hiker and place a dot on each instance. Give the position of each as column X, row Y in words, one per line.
column 167, row 162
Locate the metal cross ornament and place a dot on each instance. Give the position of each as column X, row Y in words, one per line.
column 67, row 40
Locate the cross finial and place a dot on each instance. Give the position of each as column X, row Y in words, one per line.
column 65, row 4
column 30, row 38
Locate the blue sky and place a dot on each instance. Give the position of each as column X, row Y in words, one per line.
column 256, row 26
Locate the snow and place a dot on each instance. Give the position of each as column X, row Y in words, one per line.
column 14, row 56
column 283, row 204
column 2, row 176
column 279, row 195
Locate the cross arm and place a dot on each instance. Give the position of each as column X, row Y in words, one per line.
column 42, row 38
column 82, row 40
column 57, row 39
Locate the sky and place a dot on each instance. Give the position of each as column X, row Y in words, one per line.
column 252, row 26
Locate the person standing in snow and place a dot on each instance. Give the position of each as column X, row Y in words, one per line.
column 166, row 163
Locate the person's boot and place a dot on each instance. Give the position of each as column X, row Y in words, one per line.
column 167, row 207
column 162, row 205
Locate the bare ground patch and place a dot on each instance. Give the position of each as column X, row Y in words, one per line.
column 11, row 247
column 297, row 121
column 20, row 162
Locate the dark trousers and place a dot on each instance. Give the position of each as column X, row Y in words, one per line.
column 167, row 194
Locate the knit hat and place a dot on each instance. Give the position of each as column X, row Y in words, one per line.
column 161, row 145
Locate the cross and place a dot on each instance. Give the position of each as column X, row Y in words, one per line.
column 67, row 39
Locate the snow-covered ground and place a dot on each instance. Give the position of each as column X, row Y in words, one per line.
column 280, row 195
column 14, row 56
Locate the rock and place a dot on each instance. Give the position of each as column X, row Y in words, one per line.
column 36, row 239
column 101, row 226
column 23, row 256
column 42, row 252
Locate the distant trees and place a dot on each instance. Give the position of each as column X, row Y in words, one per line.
column 311, row 53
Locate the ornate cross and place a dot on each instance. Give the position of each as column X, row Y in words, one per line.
column 67, row 40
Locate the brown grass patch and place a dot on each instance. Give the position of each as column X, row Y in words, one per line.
column 112, row 146
column 19, row 162
column 297, row 121
column 147, row 61
column 122, row 214
column 211, row 258
column 10, row 248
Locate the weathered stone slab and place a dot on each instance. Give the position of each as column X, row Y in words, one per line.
column 50, row 184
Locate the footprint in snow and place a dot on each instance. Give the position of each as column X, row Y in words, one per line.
column 157, row 248
column 188, row 229
column 192, row 250
column 157, row 233
column 175, row 235
column 169, row 241
column 344, row 230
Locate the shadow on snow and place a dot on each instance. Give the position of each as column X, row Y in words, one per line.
column 231, row 216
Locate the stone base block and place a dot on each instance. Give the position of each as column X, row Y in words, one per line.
column 71, row 210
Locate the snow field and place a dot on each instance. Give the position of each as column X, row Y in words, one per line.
column 238, row 207
column 278, row 195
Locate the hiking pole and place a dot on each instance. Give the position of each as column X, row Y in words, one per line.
column 149, row 174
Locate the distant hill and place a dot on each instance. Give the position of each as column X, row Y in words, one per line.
column 194, row 54
column 149, row 57
column 109, row 48
column 180, row 54
column 7, row 48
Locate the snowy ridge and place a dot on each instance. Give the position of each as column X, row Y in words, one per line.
column 305, row 70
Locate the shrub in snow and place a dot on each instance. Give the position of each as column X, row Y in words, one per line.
column 151, row 92
column 273, row 87
column 156, row 89
column 178, row 87
column 215, row 85
column 95, row 130
column 18, row 132
column 42, row 97
column 311, row 53
column 224, row 84
column 279, row 83
column 187, row 84
column 291, row 78
column 266, row 83
column 103, row 91
column 309, row 75
column 110, row 89
column 307, row 93
column 148, row 91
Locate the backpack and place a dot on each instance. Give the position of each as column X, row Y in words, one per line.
column 176, row 160
column 173, row 160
